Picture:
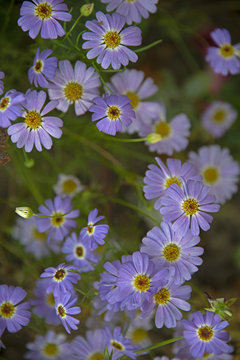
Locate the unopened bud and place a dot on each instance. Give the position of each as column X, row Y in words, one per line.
column 24, row 211
column 87, row 9
column 154, row 138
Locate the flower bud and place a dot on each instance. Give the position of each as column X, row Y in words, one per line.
column 87, row 9
column 24, row 211
column 154, row 138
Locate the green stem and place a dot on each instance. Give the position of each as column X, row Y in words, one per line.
column 160, row 344
column 73, row 26
column 49, row 217
column 101, row 78
column 111, row 138
column 144, row 48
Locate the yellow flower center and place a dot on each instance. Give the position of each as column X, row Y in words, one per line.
column 117, row 345
column 205, row 333
column 163, row 129
column 113, row 112
column 79, row 251
column 112, row 39
column 219, row 116
column 73, row 91
column 190, row 206
column 58, row 219
column 61, row 311
column 172, row 180
column 207, row 355
column 50, row 300
column 7, row 310
column 162, row 296
column 44, row 10
column 39, row 236
column 227, row 50
column 51, row 350
column 171, row 252
column 69, row 186
column 138, row 335
column 134, row 99
column 96, row 356
column 141, row 282
column 38, row 66
column 90, row 229
column 33, row 119
column 210, row 175
column 4, row 103
column 60, row 274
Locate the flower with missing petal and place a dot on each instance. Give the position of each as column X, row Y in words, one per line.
column 10, row 107
column 65, row 309
column 119, row 345
column 93, row 233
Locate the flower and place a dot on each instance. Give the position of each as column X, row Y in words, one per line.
column 119, row 345
column 137, row 331
column 51, row 346
column 134, row 10
column 42, row 16
column 2, row 76
column 112, row 112
column 174, row 133
column 218, row 169
column 168, row 300
column 159, row 178
column 223, row 58
column 12, row 315
column 167, row 248
column 36, row 128
column 61, row 221
column 61, row 278
column 10, row 107
column 43, row 68
column 108, row 283
column 94, row 234
column 131, row 83
column 78, row 86
column 93, row 347
column 64, row 309
column 108, row 42
column 78, row 251
column 67, row 185
column 218, row 118
column 188, row 207
column 204, row 334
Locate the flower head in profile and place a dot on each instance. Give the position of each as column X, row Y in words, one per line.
column 10, row 107
column 93, row 233
column 113, row 113
column 119, row 345
column 42, row 15
column 224, row 58
column 43, row 68
column 218, row 170
column 64, row 309
column 36, row 129
column 77, row 86
column 218, row 118
column 67, row 185
column 109, row 42
column 2, row 76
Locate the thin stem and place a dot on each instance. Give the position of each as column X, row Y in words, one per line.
column 73, row 26
column 144, row 48
column 50, row 217
column 101, row 78
column 111, row 138
column 160, row 344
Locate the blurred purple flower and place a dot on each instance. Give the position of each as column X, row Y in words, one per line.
column 2, row 76
column 10, row 107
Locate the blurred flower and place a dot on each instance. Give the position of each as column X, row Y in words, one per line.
column 112, row 113
column 10, row 107
column 218, row 169
column 188, row 207
column 61, row 221
column 2, row 76
column 108, row 42
column 224, row 58
column 36, row 128
column 78, row 86
column 24, row 211
column 68, row 185
column 134, row 10
column 64, row 308
column 93, row 347
column 94, row 234
column 119, row 344
column 137, row 331
column 43, row 15
column 218, row 118
column 43, row 68
column 167, row 248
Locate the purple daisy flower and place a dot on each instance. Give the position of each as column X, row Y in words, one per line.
column 159, row 178
column 78, row 86
column 61, row 278
column 168, row 300
column 218, row 118
column 36, row 128
column 93, row 347
column 112, row 113
column 223, row 58
column 59, row 225
column 93, row 233
column 51, row 346
column 167, row 248
column 218, row 169
column 174, row 133
column 119, row 345
column 79, row 251
column 42, row 16
column 2, row 76
column 188, row 207
column 10, row 107
column 134, row 11
column 43, row 68
column 12, row 315
column 132, row 84
column 108, row 42
column 65, row 309
column 204, row 334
